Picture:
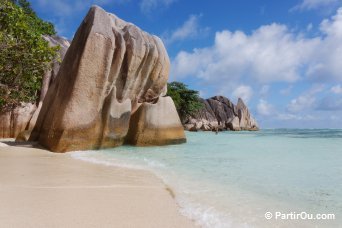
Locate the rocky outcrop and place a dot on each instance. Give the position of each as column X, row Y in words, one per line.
column 16, row 120
column 50, row 76
column 247, row 122
column 219, row 113
column 23, row 117
column 156, row 124
column 112, row 70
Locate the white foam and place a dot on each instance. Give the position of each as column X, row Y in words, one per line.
column 3, row 145
column 92, row 157
column 203, row 216
column 154, row 164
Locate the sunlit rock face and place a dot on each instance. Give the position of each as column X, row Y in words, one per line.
column 156, row 124
column 219, row 113
column 112, row 70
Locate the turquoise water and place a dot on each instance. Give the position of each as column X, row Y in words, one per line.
column 232, row 179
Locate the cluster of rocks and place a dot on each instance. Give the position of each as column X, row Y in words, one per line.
column 219, row 113
column 110, row 89
column 24, row 116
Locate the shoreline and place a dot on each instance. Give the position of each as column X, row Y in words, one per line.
column 43, row 189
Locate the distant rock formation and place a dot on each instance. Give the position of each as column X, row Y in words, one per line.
column 24, row 116
column 219, row 113
column 112, row 71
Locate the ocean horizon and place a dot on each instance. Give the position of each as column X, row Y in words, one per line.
column 235, row 179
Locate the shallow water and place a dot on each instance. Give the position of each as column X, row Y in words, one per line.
column 232, row 179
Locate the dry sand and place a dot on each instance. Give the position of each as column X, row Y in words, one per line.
column 43, row 189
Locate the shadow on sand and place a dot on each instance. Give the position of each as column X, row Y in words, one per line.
column 28, row 144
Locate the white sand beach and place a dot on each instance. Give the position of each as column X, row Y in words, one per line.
column 43, row 189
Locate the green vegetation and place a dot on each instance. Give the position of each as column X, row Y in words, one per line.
column 25, row 55
column 186, row 100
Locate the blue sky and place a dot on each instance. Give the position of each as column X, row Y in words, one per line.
column 284, row 58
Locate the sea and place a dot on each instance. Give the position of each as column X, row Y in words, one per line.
column 266, row 178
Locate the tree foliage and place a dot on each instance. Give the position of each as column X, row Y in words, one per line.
column 186, row 100
column 24, row 55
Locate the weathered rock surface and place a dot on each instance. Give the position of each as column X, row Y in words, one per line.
column 156, row 124
column 220, row 113
column 111, row 70
column 247, row 122
column 234, row 125
column 50, row 76
column 16, row 120
column 24, row 116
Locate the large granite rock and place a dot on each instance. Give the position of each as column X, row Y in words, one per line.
column 219, row 113
column 247, row 122
column 16, row 120
column 112, row 70
column 156, row 124
column 234, row 125
column 24, row 117
column 50, row 76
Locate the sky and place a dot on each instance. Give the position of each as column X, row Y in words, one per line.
column 284, row 58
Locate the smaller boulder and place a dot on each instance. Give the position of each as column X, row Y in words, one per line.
column 199, row 125
column 187, row 127
column 156, row 124
column 234, row 125
column 23, row 136
column 205, row 127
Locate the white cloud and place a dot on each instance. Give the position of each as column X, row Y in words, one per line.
column 305, row 101
column 271, row 53
column 336, row 89
column 286, row 91
column 264, row 108
column 147, row 6
column 330, row 103
column 315, row 4
column 190, row 29
column 301, row 103
column 202, row 94
column 334, row 117
column 309, row 27
column 325, row 63
column 288, row 116
column 244, row 92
